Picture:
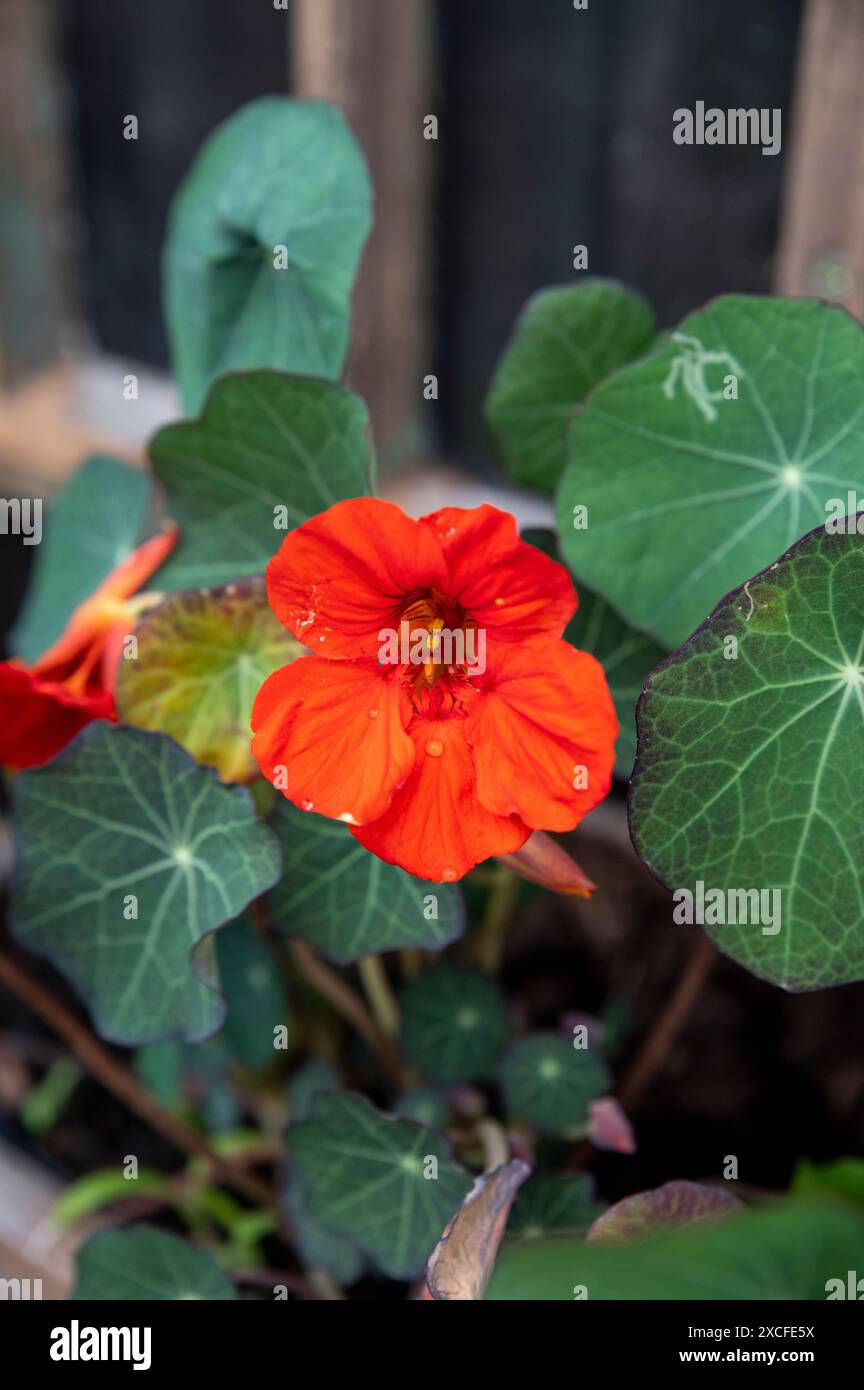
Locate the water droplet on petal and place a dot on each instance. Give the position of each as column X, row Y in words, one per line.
column 434, row 748
column 306, row 805
column 373, row 714
column 499, row 603
column 449, row 875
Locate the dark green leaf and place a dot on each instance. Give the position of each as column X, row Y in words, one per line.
column 750, row 779
column 277, row 174
column 348, row 903
column 549, row 1202
column 387, row 1185
column 687, row 492
column 253, row 994
column 549, row 1082
column 454, row 1023
column 123, row 823
column 425, row 1105
column 268, row 452
column 565, row 341
column 147, row 1265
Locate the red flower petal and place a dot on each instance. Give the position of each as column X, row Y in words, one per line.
column 543, row 723
column 507, row 585
column 38, row 717
column 344, row 575
column 436, row 827
column 331, row 736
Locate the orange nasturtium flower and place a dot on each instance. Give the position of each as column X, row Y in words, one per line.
column 441, row 715
column 43, row 706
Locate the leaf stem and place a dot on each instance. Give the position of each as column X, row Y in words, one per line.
column 120, row 1081
column 496, row 919
column 656, row 1046
column 379, row 995
column 350, row 1006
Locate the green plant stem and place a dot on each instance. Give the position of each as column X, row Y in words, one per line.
column 379, row 995
column 350, row 1007
column 496, row 919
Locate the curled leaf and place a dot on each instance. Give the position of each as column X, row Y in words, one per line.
column 461, row 1264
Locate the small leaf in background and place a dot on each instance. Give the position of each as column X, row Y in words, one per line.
column 147, row 1264
column 94, row 524
column 202, row 657
column 687, row 491
column 389, row 1186
column 268, row 452
column 786, row 1251
column 750, row 779
column 565, row 341
column 626, row 656
column 842, row 1179
column 253, row 993
column 663, row 1208
column 129, row 855
column 347, row 903
column 425, row 1105
column 549, row 1082
column 461, row 1264
column 554, row 1202
column 264, row 239
column 159, row 1067
column 454, row 1023
column 313, row 1076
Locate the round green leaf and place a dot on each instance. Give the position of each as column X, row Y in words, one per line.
column 426, row 1105
column 549, row 1082
column 565, row 341
column 454, row 1023
column 254, row 997
column 750, row 781
column 202, row 657
column 94, row 525
column 128, row 856
column 387, row 1185
column 264, row 238
column 553, row 1202
column 268, row 452
column 788, row 1251
column 147, row 1265
column 689, row 492
column 348, row 903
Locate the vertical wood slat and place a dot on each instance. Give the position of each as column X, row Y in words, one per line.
column 38, row 299
column 822, row 233
column 371, row 58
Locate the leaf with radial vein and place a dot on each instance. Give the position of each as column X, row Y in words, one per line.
column 203, row 655
column 788, row 1251
column 348, row 903
column 263, row 243
column 92, row 527
column 688, row 493
column 268, row 452
column 566, row 340
column 750, row 775
column 128, row 857
column 146, row 1264
column 369, row 1179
